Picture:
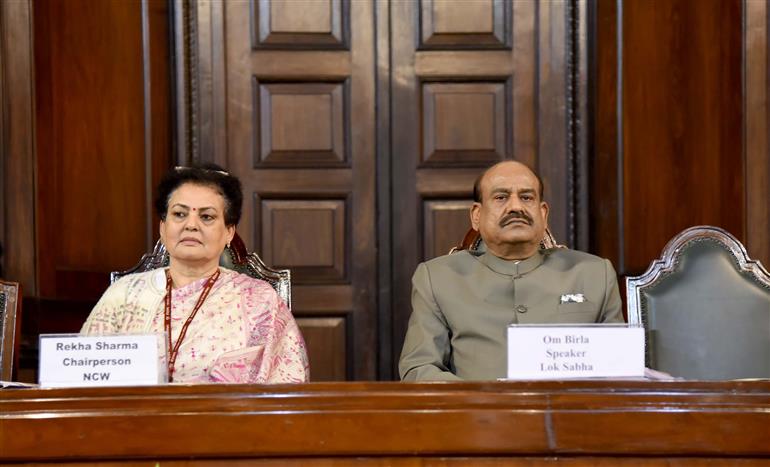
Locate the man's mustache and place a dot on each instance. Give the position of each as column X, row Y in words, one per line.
column 516, row 215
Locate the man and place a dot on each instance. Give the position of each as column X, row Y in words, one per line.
column 462, row 303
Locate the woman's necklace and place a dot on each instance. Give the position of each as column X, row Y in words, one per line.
column 174, row 350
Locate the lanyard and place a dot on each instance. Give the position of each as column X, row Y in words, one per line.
column 174, row 350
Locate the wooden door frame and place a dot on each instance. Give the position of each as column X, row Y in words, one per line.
column 563, row 57
column 756, row 152
column 17, row 144
column 200, row 131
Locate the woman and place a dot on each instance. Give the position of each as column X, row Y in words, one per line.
column 221, row 326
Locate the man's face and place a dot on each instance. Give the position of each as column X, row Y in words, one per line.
column 511, row 217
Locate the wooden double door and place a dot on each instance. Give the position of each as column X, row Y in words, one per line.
column 358, row 127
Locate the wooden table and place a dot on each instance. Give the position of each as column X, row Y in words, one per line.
column 531, row 423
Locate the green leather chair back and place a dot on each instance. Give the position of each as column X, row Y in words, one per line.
column 705, row 306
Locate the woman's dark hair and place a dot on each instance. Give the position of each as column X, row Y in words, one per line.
column 210, row 175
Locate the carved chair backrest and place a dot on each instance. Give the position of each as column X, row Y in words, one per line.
column 705, row 306
column 10, row 320
column 234, row 257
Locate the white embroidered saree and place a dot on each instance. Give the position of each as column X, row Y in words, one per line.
column 243, row 332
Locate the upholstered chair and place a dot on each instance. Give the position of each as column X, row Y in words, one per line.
column 705, row 306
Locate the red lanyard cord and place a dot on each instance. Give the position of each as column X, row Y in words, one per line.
column 173, row 350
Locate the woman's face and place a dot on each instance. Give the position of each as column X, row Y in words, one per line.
column 194, row 231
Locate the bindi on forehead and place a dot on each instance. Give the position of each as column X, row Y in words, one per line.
column 193, row 208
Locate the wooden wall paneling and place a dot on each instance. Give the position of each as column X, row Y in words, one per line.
column 17, row 156
column 89, row 148
column 362, row 221
column 580, row 113
column 300, row 23
column 326, row 343
column 2, row 146
column 552, row 105
column 479, row 24
column 755, row 143
column 300, row 124
column 181, row 41
column 17, row 166
column 2, row 149
column 207, row 82
column 307, row 237
column 560, row 50
column 606, row 239
column 158, row 122
column 446, row 223
column 524, row 96
column 384, row 192
column 324, row 314
column 322, row 299
column 465, row 123
column 682, row 127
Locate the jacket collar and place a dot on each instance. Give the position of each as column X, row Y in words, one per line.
column 511, row 267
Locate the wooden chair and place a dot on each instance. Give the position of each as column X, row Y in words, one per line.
column 705, row 306
column 234, row 257
column 472, row 241
column 10, row 328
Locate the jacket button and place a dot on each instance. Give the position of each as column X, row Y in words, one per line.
column 521, row 308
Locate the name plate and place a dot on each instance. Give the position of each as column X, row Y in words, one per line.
column 71, row 360
column 563, row 352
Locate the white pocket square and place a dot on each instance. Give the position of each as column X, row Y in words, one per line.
column 572, row 298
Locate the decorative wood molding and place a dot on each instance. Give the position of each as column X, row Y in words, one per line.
column 185, row 82
column 563, row 117
column 208, row 87
column 497, row 37
column 756, row 42
column 577, row 123
column 264, row 36
column 384, row 193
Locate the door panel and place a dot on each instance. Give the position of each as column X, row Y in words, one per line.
column 453, row 24
column 475, row 83
column 300, row 113
column 465, row 98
